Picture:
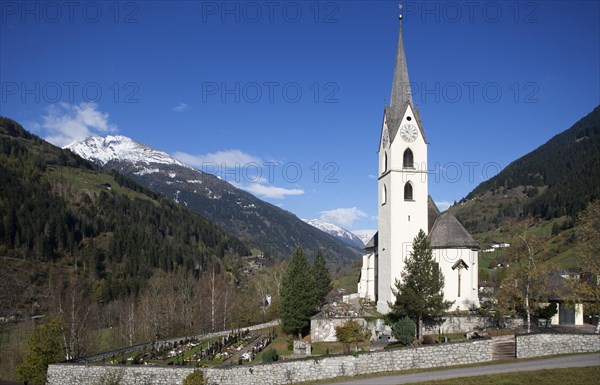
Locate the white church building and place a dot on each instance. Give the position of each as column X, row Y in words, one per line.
column 405, row 207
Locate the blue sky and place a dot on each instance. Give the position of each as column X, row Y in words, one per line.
column 293, row 92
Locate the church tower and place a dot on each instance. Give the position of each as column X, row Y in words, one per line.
column 402, row 181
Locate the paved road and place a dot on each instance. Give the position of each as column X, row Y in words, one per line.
column 521, row 366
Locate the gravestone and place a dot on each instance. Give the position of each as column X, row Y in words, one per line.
column 302, row 348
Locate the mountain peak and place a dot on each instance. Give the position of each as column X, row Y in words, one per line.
column 103, row 150
column 337, row 231
column 263, row 225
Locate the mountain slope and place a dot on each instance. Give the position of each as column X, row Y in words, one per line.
column 59, row 212
column 364, row 235
column 557, row 179
column 336, row 231
column 551, row 184
column 263, row 225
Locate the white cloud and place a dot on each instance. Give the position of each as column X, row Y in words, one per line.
column 344, row 217
column 443, row 205
column 230, row 158
column 371, row 176
column 181, row 107
column 66, row 123
column 267, row 191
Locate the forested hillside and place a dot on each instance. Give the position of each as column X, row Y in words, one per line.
column 551, row 185
column 561, row 176
column 58, row 208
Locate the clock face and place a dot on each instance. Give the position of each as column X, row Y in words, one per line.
column 386, row 138
column 409, row 133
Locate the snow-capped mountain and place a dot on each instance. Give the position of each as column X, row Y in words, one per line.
column 337, row 231
column 261, row 224
column 364, row 235
column 120, row 148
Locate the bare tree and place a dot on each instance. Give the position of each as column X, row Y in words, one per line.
column 527, row 282
column 587, row 288
column 183, row 288
column 127, row 320
column 152, row 308
column 74, row 308
column 218, row 288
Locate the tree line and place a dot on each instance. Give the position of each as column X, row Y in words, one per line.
column 116, row 239
column 568, row 165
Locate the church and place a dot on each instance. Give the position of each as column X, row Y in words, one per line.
column 405, row 207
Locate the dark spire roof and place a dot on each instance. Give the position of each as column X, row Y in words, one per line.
column 401, row 94
column 447, row 232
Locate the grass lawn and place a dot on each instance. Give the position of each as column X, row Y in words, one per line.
column 348, row 281
column 480, row 380
column 91, row 181
column 486, row 259
column 280, row 344
column 320, row 348
column 588, row 375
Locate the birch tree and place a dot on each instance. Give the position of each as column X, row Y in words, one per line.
column 526, row 285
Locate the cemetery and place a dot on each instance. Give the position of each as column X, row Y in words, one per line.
column 235, row 348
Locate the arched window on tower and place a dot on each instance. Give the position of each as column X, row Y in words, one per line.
column 407, row 161
column 384, row 195
column 384, row 165
column 408, row 192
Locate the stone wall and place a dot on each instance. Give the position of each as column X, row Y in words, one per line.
column 536, row 345
column 309, row 369
column 469, row 323
column 385, row 361
column 82, row 374
column 323, row 329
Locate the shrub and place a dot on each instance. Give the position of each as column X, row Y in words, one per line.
column 290, row 343
column 194, row 378
column 270, row 356
column 546, row 312
column 351, row 331
column 404, row 330
column 428, row 340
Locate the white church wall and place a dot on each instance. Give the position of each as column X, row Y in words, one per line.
column 400, row 220
column 468, row 277
column 579, row 314
column 366, row 285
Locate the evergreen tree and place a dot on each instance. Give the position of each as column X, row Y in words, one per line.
column 44, row 347
column 297, row 294
column 404, row 330
column 419, row 294
column 323, row 283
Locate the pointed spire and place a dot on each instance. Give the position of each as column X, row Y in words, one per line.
column 401, row 94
